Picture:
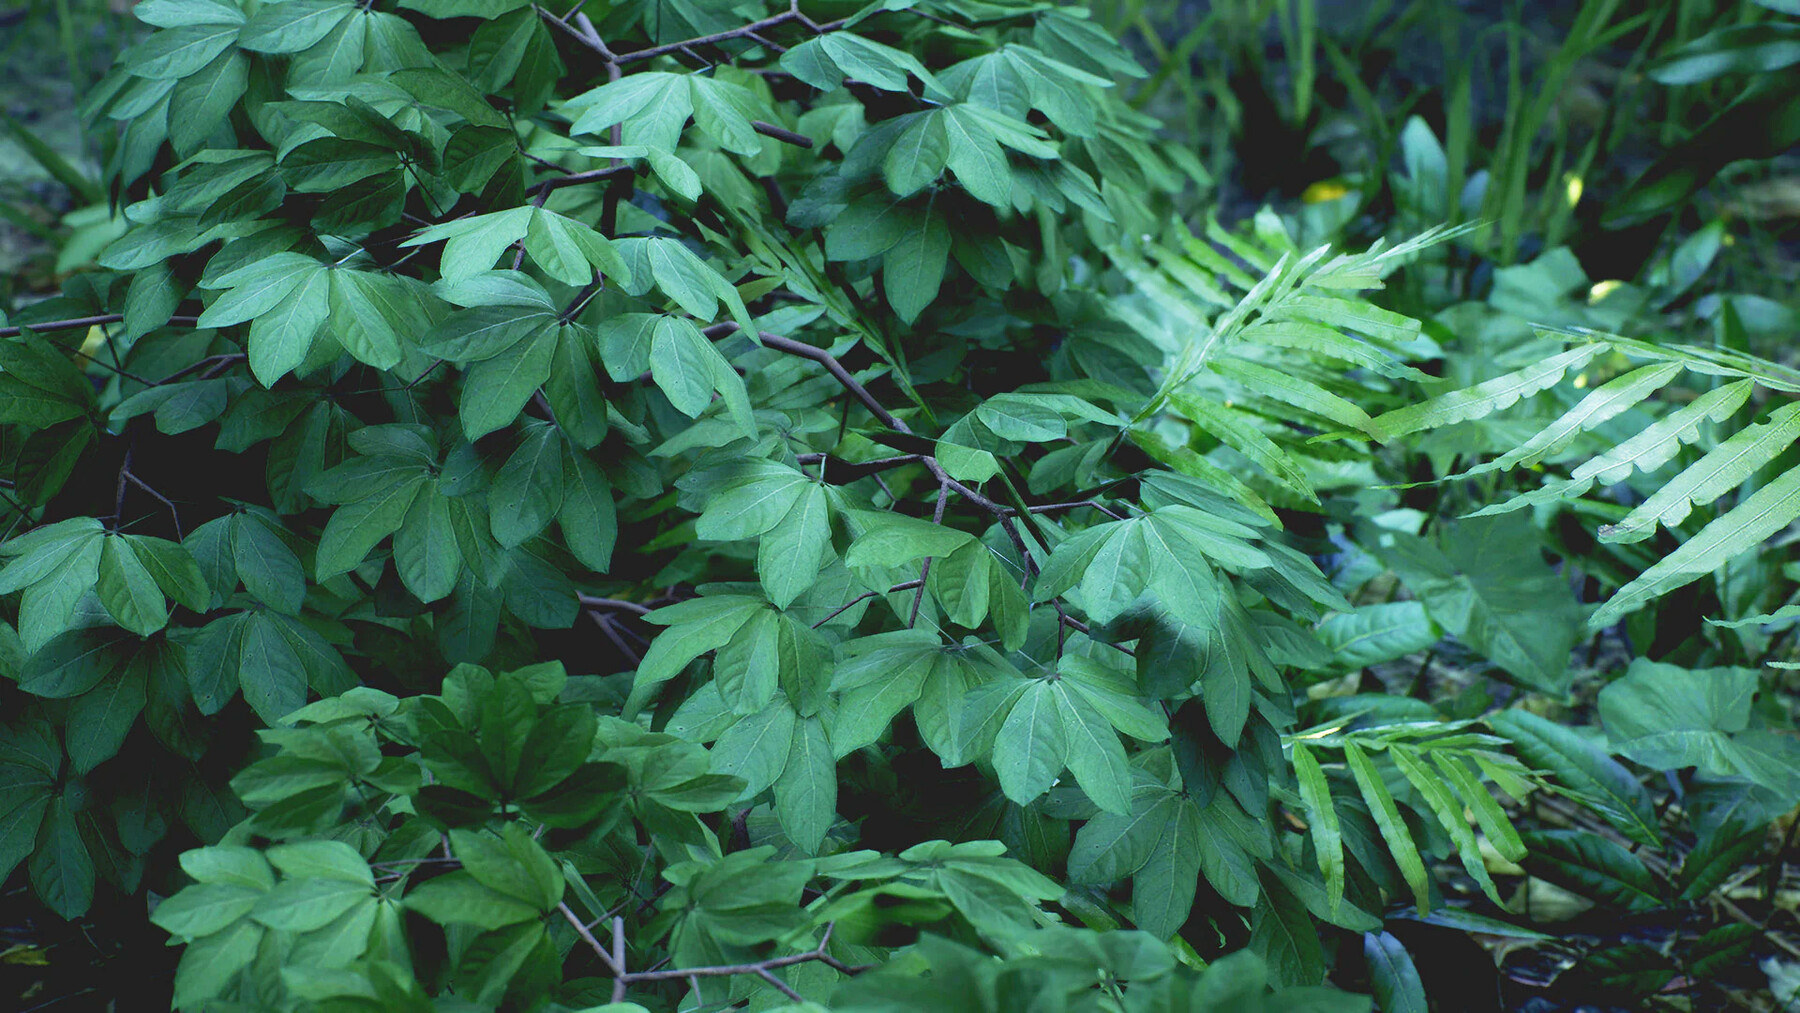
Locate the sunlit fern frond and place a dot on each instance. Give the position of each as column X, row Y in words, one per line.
column 1266, row 347
column 1727, row 468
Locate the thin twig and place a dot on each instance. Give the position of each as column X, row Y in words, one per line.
column 616, row 604
column 937, row 517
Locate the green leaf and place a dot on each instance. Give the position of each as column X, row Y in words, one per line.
column 1376, row 633
column 1095, row 756
column 355, row 528
column 303, row 905
column 975, row 156
column 913, row 268
column 1483, row 399
column 273, row 676
column 1666, row 717
column 267, row 566
column 1742, row 528
column 1162, row 891
column 72, row 664
column 890, row 539
column 293, row 26
column 528, row 491
column 62, row 871
column 512, row 863
column 457, row 898
column 758, row 747
column 806, row 791
column 128, row 590
column 1321, row 821
column 100, row 719
column 208, row 966
column 1583, row 768
column 918, row 154
column 1032, row 745
column 202, row 102
column 426, row 553
column 1720, row 471
column 1506, row 603
column 1397, row 986
column 790, row 553
column 1387, row 819
column 176, row 53
column 204, row 909
column 1593, row 867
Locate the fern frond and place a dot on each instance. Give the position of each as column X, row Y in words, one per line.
column 1483, row 399
column 1604, row 403
column 1247, row 347
column 1723, row 469
column 1763, row 513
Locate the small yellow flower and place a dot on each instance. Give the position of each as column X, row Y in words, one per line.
column 1325, row 190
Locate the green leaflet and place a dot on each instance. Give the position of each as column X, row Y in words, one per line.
column 1759, row 515
column 1482, row 399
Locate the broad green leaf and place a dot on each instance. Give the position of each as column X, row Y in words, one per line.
column 1032, row 745
column 496, row 389
column 913, row 268
column 355, row 528
column 99, row 719
column 128, row 590
column 917, row 156
column 1162, row 890
column 266, row 565
column 426, row 553
column 806, row 791
column 1095, row 756
column 1376, row 633
column 1667, row 717
column 789, row 554
column 203, row 909
column 459, row 899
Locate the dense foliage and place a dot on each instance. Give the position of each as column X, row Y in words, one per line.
column 685, row 504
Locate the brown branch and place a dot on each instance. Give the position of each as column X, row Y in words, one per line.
column 850, row 471
column 544, row 188
column 1074, row 505
column 906, row 585
column 781, row 134
column 937, row 517
column 77, row 322
column 615, row 604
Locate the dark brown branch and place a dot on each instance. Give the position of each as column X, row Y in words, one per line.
column 780, row 134
column 834, row 470
column 937, row 517
column 575, row 179
column 209, row 361
column 77, row 322
column 615, row 604
column 1074, row 505
column 906, row 585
